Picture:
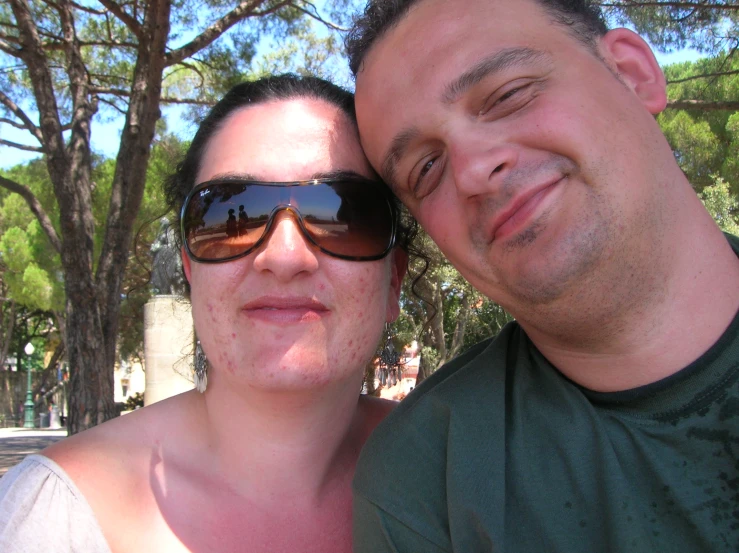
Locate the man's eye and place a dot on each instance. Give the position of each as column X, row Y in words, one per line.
column 507, row 102
column 426, row 168
column 424, row 177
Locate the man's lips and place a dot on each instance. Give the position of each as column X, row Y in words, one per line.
column 520, row 209
column 285, row 309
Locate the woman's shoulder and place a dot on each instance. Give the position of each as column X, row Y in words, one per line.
column 27, row 520
column 111, row 464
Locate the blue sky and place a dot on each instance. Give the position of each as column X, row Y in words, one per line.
column 105, row 135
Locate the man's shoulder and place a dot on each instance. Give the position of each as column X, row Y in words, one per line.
column 418, row 430
column 483, row 361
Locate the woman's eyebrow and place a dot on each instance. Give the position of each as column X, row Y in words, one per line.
column 495, row 63
column 337, row 174
column 232, row 175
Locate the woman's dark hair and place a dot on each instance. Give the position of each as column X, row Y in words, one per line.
column 252, row 93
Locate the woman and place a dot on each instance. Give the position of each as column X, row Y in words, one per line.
column 287, row 314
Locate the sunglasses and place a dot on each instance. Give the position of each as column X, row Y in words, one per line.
column 348, row 217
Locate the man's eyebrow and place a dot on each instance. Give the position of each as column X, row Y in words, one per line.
column 395, row 153
column 492, row 64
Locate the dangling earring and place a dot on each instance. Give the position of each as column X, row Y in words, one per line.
column 389, row 358
column 201, row 368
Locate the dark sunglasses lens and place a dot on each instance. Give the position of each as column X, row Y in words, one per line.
column 351, row 219
column 224, row 220
column 346, row 218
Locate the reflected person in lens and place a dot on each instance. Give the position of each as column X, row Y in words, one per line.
column 294, row 254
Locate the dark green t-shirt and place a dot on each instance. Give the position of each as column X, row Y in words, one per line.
column 497, row 451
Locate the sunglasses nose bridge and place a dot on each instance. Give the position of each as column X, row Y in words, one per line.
column 293, row 213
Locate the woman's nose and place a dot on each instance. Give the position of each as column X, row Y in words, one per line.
column 286, row 252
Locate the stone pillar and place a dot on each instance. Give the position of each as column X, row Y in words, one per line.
column 168, row 347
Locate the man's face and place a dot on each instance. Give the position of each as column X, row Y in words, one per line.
column 526, row 159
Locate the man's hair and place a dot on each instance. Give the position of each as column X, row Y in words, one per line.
column 583, row 20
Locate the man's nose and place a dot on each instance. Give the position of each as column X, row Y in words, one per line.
column 479, row 169
column 286, row 252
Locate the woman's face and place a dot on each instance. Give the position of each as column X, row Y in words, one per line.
column 288, row 316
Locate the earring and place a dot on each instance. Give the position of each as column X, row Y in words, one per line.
column 201, row 368
column 389, row 358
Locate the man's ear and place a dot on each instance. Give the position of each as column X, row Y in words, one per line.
column 398, row 268
column 185, row 263
column 632, row 58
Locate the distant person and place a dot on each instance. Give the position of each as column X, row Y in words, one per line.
column 231, row 224
column 522, row 136
column 243, row 219
column 262, row 460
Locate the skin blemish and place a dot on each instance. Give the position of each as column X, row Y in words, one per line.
column 321, row 286
column 233, row 335
column 351, row 342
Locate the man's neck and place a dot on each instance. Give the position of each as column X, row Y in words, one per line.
column 669, row 324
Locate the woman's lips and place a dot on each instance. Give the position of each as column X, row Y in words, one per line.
column 280, row 310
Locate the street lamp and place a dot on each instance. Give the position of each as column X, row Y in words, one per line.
column 28, row 411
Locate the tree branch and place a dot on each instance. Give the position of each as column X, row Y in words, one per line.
column 703, row 105
column 10, row 50
column 682, row 5
column 133, row 25
column 240, row 12
column 20, row 114
column 43, row 88
column 704, row 76
column 113, row 105
column 37, row 210
column 12, row 123
column 18, row 146
column 87, row 9
column 315, row 15
column 189, row 101
column 122, row 93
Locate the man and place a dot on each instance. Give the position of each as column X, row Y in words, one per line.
column 521, row 135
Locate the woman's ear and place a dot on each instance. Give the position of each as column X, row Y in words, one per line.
column 398, row 268
column 185, row 263
column 633, row 61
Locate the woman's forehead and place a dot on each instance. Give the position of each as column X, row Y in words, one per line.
column 284, row 140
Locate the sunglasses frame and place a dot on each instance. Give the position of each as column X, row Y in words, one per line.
column 359, row 180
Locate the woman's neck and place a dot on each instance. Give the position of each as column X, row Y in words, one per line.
column 283, row 444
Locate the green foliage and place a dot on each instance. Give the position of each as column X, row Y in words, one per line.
column 722, row 205
column 706, row 142
column 134, row 402
column 708, row 26
column 32, row 269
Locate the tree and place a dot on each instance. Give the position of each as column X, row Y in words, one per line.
column 711, row 27
column 705, row 141
column 63, row 62
column 441, row 310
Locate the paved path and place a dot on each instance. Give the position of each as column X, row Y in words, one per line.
column 16, row 443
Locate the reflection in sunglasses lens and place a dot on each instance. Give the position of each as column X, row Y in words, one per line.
column 226, row 220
